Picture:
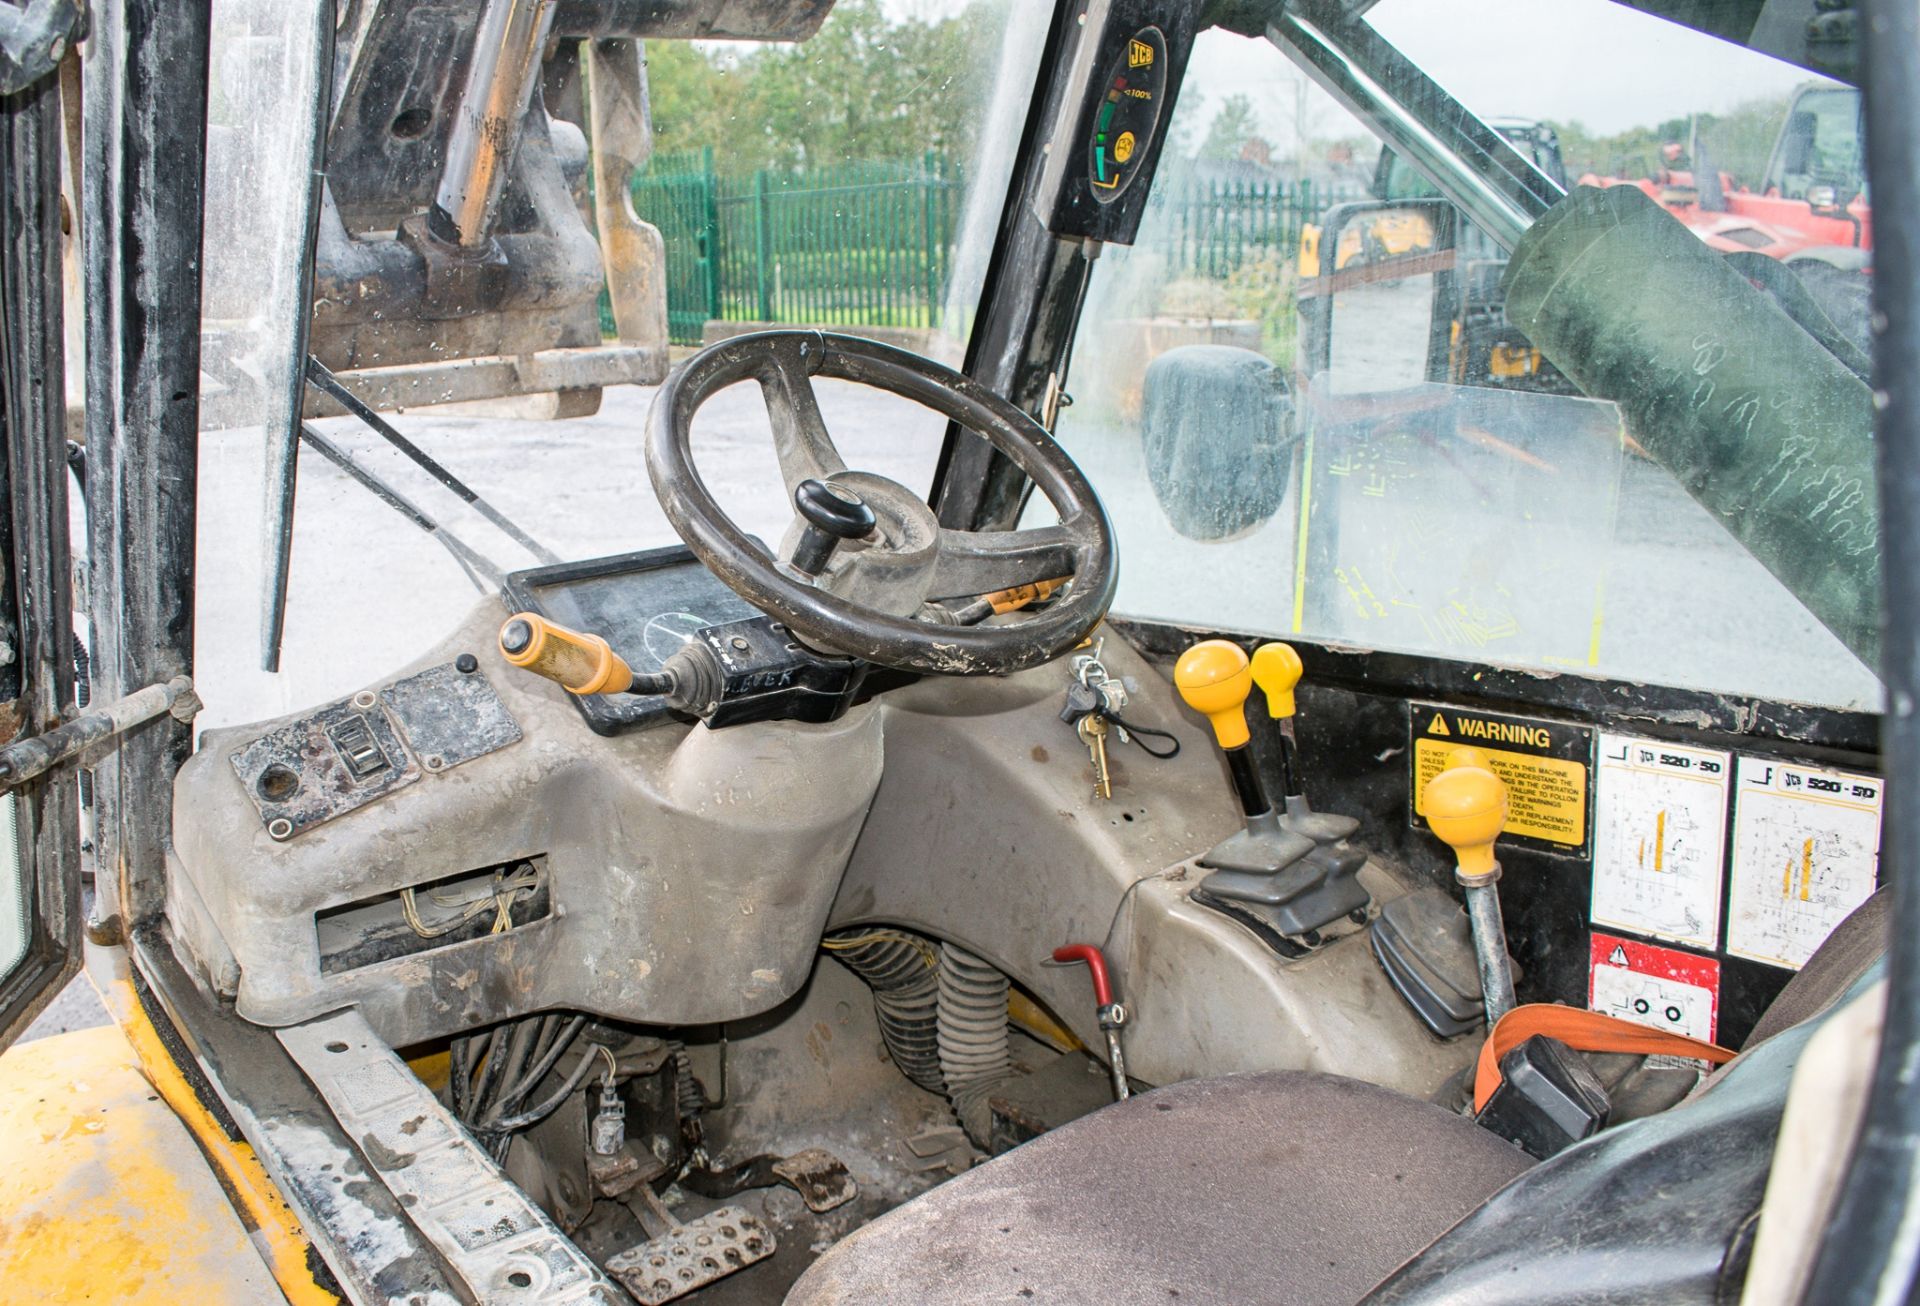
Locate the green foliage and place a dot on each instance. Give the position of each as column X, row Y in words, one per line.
column 864, row 88
column 1234, row 125
column 1737, row 142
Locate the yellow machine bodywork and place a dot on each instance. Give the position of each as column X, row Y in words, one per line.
column 117, row 1184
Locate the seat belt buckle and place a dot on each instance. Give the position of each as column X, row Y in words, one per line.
column 1548, row 1098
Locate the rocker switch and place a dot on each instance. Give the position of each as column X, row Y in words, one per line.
column 359, row 750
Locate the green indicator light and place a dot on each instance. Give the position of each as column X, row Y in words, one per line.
column 1106, row 115
column 1100, row 164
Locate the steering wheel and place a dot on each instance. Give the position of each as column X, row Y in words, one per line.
column 867, row 600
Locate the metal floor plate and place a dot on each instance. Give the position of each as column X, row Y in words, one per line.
column 490, row 1234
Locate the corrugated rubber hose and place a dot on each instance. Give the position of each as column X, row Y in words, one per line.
column 900, row 969
column 973, row 1036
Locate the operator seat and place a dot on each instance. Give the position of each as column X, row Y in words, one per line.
column 1311, row 1188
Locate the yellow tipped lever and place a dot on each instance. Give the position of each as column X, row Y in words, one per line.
column 1467, row 809
column 1277, row 669
column 579, row 663
column 1468, row 755
column 1214, row 679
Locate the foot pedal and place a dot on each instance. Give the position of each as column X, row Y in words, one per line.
column 819, row 1177
column 692, row 1255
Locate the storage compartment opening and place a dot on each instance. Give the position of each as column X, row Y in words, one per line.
column 454, row 909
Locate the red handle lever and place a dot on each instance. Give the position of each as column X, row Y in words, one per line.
column 1096, row 964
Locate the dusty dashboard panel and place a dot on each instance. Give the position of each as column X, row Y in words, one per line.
column 361, row 748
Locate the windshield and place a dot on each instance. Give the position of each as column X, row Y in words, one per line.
column 1319, row 399
column 509, row 315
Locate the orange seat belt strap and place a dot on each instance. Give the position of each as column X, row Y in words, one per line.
column 1583, row 1031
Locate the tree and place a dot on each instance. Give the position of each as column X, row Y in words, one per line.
column 1233, row 128
column 1736, row 142
column 864, row 88
column 694, row 99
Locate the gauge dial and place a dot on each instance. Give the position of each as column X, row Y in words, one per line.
column 1128, row 115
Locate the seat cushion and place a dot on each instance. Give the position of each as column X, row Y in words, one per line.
column 1273, row 1187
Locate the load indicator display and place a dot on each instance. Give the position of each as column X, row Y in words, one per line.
column 1128, row 114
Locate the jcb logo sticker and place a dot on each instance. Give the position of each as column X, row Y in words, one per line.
column 1139, row 54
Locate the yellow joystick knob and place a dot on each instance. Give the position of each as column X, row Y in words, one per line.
column 579, row 663
column 1468, row 755
column 1467, row 808
column 1277, row 669
column 1214, row 679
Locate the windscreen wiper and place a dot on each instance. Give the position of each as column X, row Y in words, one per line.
column 482, row 572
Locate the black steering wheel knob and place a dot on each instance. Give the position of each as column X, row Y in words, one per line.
column 833, row 513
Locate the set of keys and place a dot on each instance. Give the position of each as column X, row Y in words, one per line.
column 1095, row 699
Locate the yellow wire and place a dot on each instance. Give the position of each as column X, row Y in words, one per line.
column 841, row 943
column 501, row 897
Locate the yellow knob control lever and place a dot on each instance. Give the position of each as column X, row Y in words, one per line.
column 1468, row 755
column 1277, row 669
column 1214, row 677
column 579, row 663
column 1466, row 807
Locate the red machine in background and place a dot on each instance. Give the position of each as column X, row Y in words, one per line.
column 1812, row 204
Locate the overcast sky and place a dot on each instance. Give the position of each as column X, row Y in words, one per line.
column 1593, row 61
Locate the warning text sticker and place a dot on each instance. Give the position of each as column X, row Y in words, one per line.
column 1544, row 764
column 1659, row 838
column 1806, row 851
column 1662, row 988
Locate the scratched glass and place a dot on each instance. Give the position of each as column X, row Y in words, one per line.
column 1688, row 501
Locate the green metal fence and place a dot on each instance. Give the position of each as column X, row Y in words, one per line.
column 861, row 244
column 1219, row 223
column 870, row 244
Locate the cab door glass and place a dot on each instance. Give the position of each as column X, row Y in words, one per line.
column 1411, row 472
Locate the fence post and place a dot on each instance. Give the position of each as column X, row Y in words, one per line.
column 763, row 253
column 932, row 192
column 710, row 233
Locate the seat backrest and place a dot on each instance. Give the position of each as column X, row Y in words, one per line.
column 1836, row 965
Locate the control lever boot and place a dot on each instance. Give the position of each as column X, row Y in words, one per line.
column 1214, row 679
column 1466, row 807
column 1277, row 669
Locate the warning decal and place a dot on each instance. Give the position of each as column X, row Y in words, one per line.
column 1806, row 851
column 1662, row 988
column 1659, row 838
column 1544, row 764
